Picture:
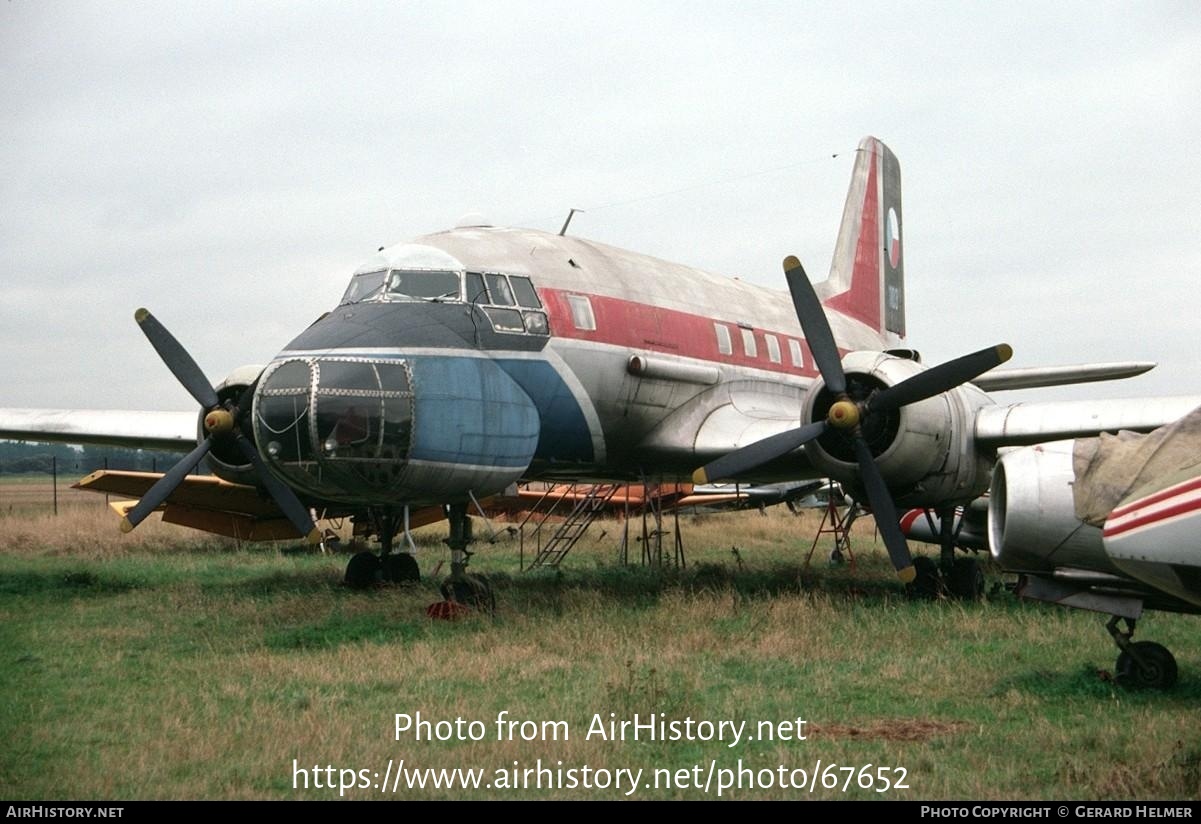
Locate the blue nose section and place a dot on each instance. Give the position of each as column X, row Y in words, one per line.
column 469, row 412
column 386, row 431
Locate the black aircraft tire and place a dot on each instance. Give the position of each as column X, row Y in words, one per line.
column 966, row 580
column 1160, row 672
column 363, row 570
column 927, row 583
column 400, row 568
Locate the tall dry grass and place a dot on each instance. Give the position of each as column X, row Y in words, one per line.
column 91, row 530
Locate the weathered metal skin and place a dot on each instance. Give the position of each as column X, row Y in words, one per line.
column 372, row 431
column 925, row 450
column 1033, row 528
column 1032, row 523
column 408, row 326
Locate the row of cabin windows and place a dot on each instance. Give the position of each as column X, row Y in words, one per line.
column 725, row 345
column 583, row 318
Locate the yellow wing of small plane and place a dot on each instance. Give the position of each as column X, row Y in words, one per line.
column 200, row 502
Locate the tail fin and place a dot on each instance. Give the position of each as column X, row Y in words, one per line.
column 867, row 275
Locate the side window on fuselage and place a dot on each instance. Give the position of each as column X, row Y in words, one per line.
column 725, row 346
column 794, row 349
column 773, row 348
column 581, row 312
column 748, row 343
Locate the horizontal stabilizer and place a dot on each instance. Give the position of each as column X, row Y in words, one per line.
column 1032, row 377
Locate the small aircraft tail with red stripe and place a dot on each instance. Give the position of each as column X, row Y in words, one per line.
column 867, row 275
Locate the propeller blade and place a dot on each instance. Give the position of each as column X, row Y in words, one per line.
column 177, row 359
column 164, row 486
column 941, row 378
column 885, row 512
column 812, row 315
column 756, row 454
column 281, row 493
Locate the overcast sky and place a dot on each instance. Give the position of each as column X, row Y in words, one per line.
column 227, row 165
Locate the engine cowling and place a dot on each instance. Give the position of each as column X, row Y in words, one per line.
column 1032, row 523
column 225, row 460
column 925, row 450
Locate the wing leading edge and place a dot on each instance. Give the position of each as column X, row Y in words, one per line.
column 168, row 431
column 1023, row 424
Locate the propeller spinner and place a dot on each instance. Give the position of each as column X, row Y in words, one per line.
column 848, row 416
column 220, row 424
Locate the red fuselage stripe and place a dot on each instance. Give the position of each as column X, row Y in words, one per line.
column 1163, row 515
column 1156, row 497
column 640, row 326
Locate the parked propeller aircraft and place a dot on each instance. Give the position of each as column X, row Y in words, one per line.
column 1107, row 524
column 466, row 360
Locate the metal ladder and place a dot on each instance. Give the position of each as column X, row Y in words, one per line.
column 582, row 515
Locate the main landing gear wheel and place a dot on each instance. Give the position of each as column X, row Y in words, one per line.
column 966, row 579
column 363, row 570
column 1157, row 670
column 400, row 568
column 927, row 583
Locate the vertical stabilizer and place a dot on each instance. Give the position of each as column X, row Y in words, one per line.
column 867, row 275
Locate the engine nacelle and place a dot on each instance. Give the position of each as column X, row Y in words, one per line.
column 1032, row 523
column 925, row 450
column 225, row 460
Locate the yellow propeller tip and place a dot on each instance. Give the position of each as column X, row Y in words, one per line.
column 699, row 477
column 791, row 262
column 141, row 315
column 1004, row 352
column 126, row 526
column 907, row 575
column 313, row 537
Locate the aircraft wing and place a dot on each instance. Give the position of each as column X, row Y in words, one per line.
column 168, row 431
column 727, row 418
column 210, row 504
column 201, row 502
column 1022, row 424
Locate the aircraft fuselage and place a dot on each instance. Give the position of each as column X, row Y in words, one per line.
column 420, row 397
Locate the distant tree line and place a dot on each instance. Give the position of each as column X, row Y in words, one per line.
column 18, row 458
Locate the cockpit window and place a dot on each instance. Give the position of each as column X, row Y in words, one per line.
column 476, row 293
column 498, row 288
column 524, row 291
column 364, row 286
column 424, row 284
column 510, row 303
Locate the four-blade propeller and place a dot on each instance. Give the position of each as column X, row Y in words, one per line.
column 847, row 415
column 221, row 422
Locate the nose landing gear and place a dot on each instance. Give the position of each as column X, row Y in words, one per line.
column 462, row 590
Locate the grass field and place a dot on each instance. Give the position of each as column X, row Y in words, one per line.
column 170, row 665
column 35, row 494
